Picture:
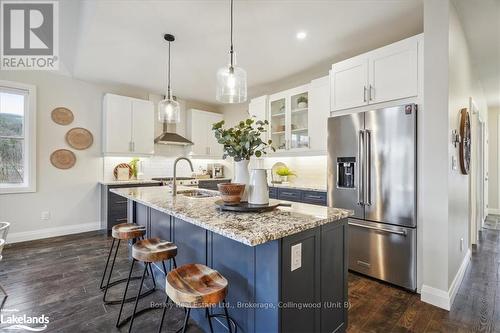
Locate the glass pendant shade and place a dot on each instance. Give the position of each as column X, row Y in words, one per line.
column 169, row 111
column 231, row 85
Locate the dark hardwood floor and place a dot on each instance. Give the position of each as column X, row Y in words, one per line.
column 59, row 277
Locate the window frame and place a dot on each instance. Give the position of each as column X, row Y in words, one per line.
column 30, row 148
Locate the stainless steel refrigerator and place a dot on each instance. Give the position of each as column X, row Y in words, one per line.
column 372, row 170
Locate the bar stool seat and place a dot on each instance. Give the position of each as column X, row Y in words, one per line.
column 153, row 250
column 120, row 232
column 196, row 286
column 126, row 231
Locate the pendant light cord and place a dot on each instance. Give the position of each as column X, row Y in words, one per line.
column 231, row 51
column 169, row 92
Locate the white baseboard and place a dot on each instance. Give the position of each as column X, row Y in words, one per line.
column 441, row 298
column 494, row 211
column 17, row 237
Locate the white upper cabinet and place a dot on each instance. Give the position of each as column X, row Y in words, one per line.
column 199, row 131
column 258, row 108
column 385, row 74
column 128, row 125
column 319, row 104
column 393, row 72
column 349, row 80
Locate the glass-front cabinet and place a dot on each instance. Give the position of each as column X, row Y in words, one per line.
column 288, row 118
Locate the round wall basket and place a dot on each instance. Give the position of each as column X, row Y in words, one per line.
column 465, row 142
column 62, row 116
column 63, row 159
column 79, row 138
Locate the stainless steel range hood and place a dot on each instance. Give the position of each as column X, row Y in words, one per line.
column 171, row 138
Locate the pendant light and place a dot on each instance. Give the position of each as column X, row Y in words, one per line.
column 231, row 80
column 169, row 110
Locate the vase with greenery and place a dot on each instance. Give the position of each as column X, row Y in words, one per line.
column 133, row 166
column 284, row 173
column 302, row 102
column 241, row 142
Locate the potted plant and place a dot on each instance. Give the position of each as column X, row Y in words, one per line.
column 284, row 172
column 241, row 142
column 302, row 102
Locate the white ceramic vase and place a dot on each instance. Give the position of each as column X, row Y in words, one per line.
column 258, row 190
column 242, row 176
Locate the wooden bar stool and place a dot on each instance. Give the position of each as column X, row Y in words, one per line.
column 147, row 251
column 195, row 286
column 122, row 231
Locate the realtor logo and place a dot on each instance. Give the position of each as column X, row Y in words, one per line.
column 29, row 35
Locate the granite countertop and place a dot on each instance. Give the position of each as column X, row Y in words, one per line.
column 127, row 182
column 247, row 228
column 319, row 188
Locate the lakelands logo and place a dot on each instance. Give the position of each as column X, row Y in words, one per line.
column 29, row 35
column 11, row 320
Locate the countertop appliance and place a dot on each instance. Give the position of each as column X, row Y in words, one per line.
column 216, row 170
column 372, row 171
column 184, row 181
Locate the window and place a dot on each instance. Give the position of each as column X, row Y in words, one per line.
column 17, row 138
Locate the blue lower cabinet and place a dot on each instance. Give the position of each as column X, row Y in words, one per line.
column 297, row 195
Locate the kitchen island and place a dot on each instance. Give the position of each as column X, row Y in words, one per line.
column 287, row 269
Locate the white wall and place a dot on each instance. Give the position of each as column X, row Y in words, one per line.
column 450, row 81
column 71, row 196
column 494, row 156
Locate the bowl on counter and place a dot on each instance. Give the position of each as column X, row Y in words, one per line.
column 231, row 192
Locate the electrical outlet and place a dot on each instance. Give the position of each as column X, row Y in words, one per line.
column 44, row 216
column 296, row 257
column 454, row 163
column 461, row 245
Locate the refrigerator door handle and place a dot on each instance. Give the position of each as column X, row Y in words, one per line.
column 397, row 232
column 368, row 167
column 361, row 158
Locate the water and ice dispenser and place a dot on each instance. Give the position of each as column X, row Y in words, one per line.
column 345, row 172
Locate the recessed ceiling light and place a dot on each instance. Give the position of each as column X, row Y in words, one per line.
column 301, row 35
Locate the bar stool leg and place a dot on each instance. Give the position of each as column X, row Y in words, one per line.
column 165, row 307
column 209, row 320
column 186, row 319
column 125, row 293
column 101, row 286
column 138, row 295
column 227, row 316
column 111, row 270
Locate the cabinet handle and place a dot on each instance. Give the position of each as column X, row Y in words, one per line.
column 130, row 146
column 288, row 193
column 121, row 202
column 121, row 220
column 364, row 94
column 314, row 196
column 370, row 93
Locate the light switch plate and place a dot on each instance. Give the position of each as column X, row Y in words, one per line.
column 296, row 257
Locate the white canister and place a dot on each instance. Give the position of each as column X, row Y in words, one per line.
column 258, row 190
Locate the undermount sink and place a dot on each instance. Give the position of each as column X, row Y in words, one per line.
column 196, row 194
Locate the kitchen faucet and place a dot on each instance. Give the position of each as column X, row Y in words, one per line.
column 174, row 185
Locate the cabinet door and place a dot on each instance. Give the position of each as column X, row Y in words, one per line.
column 299, row 119
column 319, row 111
column 278, row 121
column 393, row 72
column 349, row 80
column 199, row 131
column 215, row 149
column 258, row 108
column 143, row 127
column 117, row 125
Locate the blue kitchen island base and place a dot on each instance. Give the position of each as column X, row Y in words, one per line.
column 265, row 294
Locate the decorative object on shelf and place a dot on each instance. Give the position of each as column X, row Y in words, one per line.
column 275, row 167
column 79, row 138
column 231, row 192
column 302, row 102
column 231, row 80
column 62, row 116
column 122, row 173
column 465, row 141
column 258, row 191
column 63, row 159
column 242, row 142
column 134, row 167
column 251, row 208
column 169, row 110
column 284, row 172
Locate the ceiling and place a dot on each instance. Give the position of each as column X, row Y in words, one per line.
column 121, row 41
column 481, row 23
